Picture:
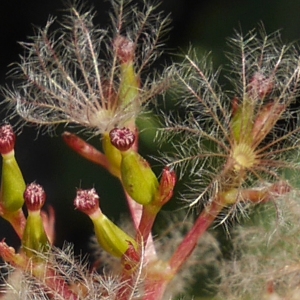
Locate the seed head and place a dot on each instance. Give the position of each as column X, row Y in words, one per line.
column 75, row 74
column 243, row 139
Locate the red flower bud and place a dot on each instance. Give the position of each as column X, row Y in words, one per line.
column 87, row 201
column 122, row 139
column 7, row 139
column 124, row 49
column 167, row 184
column 34, row 197
column 260, row 86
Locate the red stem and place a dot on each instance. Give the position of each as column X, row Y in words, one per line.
column 137, row 212
column 155, row 290
column 85, row 149
column 147, row 220
column 190, row 241
column 155, row 287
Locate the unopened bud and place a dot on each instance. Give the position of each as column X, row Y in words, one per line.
column 166, row 187
column 259, row 86
column 113, row 155
column 87, row 201
column 34, row 197
column 129, row 81
column 35, row 239
column 122, row 139
column 110, row 237
column 7, row 139
column 138, row 179
column 124, row 49
column 12, row 182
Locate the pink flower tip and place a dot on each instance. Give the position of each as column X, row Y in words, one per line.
column 7, row 139
column 260, row 86
column 87, row 201
column 122, row 138
column 167, row 185
column 34, row 197
column 124, row 48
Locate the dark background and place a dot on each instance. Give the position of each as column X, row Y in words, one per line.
column 203, row 24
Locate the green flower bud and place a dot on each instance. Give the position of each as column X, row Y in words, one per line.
column 137, row 176
column 129, row 88
column 130, row 83
column 113, row 155
column 110, row 237
column 12, row 182
column 34, row 237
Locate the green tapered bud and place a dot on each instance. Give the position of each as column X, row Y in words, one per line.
column 166, row 186
column 12, row 182
column 137, row 176
column 113, row 155
column 34, row 237
column 130, row 83
column 110, row 237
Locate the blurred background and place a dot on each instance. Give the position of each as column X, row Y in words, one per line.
column 46, row 160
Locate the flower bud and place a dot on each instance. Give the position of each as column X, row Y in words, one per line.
column 166, row 186
column 124, row 49
column 138, row 178
column 34, row 238
column 87, row 201
column 12, row 182
column 122, row 139
column 110, row 237
column 130, row 83
column 113, row 156
column 259, row 86
column 35, row 197
column 7, row 139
